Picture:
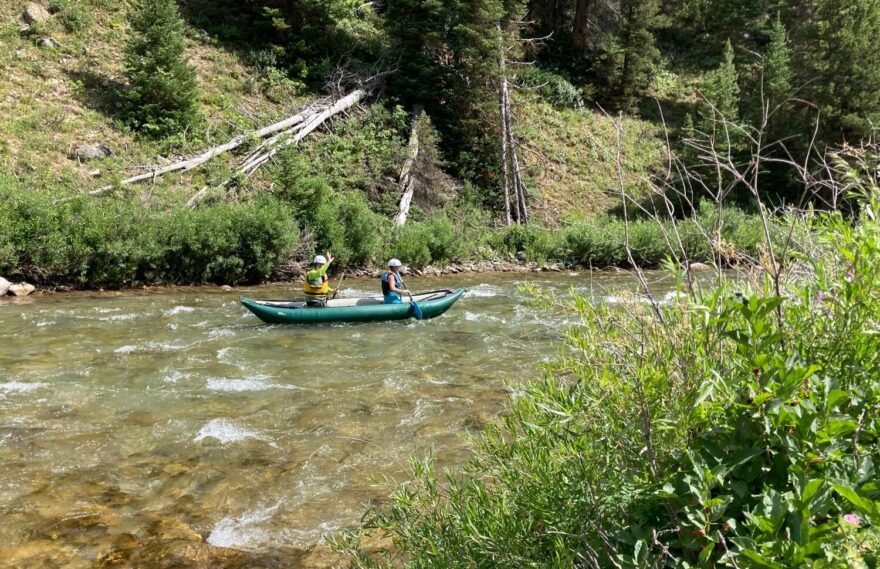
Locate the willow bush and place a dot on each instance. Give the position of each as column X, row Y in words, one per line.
column 730, row 427
column 120, row 242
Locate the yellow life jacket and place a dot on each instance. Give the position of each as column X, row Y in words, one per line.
column 317, row 287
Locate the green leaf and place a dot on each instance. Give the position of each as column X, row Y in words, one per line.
column 759, row 559
column 840, row 427
column 810, row 490
column 835, row 397
column 706, row 552
column 866, row 505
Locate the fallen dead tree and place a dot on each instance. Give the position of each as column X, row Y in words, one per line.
column 271, row 147
column 291, row 130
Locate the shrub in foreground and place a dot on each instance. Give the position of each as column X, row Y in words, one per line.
column 731, row 428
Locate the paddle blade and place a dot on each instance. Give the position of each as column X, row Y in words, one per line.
column 417, row 311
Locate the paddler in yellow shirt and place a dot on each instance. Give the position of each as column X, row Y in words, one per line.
column 316, row 283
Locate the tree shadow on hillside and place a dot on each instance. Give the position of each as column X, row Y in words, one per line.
column 99, row 92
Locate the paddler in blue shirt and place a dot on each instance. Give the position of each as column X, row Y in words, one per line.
column 316, row 283
column 392, row 284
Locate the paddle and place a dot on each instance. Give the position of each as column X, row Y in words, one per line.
column 339, row 284
column 417, row 310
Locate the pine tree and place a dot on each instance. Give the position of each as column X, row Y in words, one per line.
column 638, row 49
column 777, row 66
column 837, row 55
column 721, row 90
column 163, row 89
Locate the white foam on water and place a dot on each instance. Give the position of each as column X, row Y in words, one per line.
column 105, row 310
column 248, row 384
column 119, row 317
column 671, row 296
column 179, row 310
column 174, row 376
column 21, row 386
column 226, row 431
column 45, row 323
column 223, row 352
column 251, row 383
column 221, row 332
column 482, row 290
column 243, row 532
column 642, row 299
column 148, row 347
column 418, row 414
column 473, row 317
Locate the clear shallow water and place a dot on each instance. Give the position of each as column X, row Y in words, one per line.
column 131, row 418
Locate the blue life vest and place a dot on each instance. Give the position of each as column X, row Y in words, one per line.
column 390, row 296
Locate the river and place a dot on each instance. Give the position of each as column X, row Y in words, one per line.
column 135, row 417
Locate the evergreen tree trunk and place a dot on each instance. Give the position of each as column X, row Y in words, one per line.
column 581, row 29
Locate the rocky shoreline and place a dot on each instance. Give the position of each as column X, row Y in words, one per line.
column 466, row 267
column 18, row 289
column 24, row 289
column 470, row 267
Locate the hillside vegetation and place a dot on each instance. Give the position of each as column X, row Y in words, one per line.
column 530, row 113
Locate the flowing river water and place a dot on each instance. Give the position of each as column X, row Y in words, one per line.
column 130, row 421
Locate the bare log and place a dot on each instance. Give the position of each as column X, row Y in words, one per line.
column 522, row 212
column 302, row 130
column 341, row 105
column 189, row 164
column 407, row 181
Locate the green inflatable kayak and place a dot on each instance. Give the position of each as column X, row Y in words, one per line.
column 370, row 309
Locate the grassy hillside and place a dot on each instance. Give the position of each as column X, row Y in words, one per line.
column 338, row 190
column 53, row 99
column 57, row 98
column 571, row 155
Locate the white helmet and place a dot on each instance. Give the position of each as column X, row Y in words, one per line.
column 319, row 260
column 395, row 263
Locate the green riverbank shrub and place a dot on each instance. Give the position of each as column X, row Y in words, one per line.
column 728, row 427
column 341, row 222
column 119, row 242
column 600, row 242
